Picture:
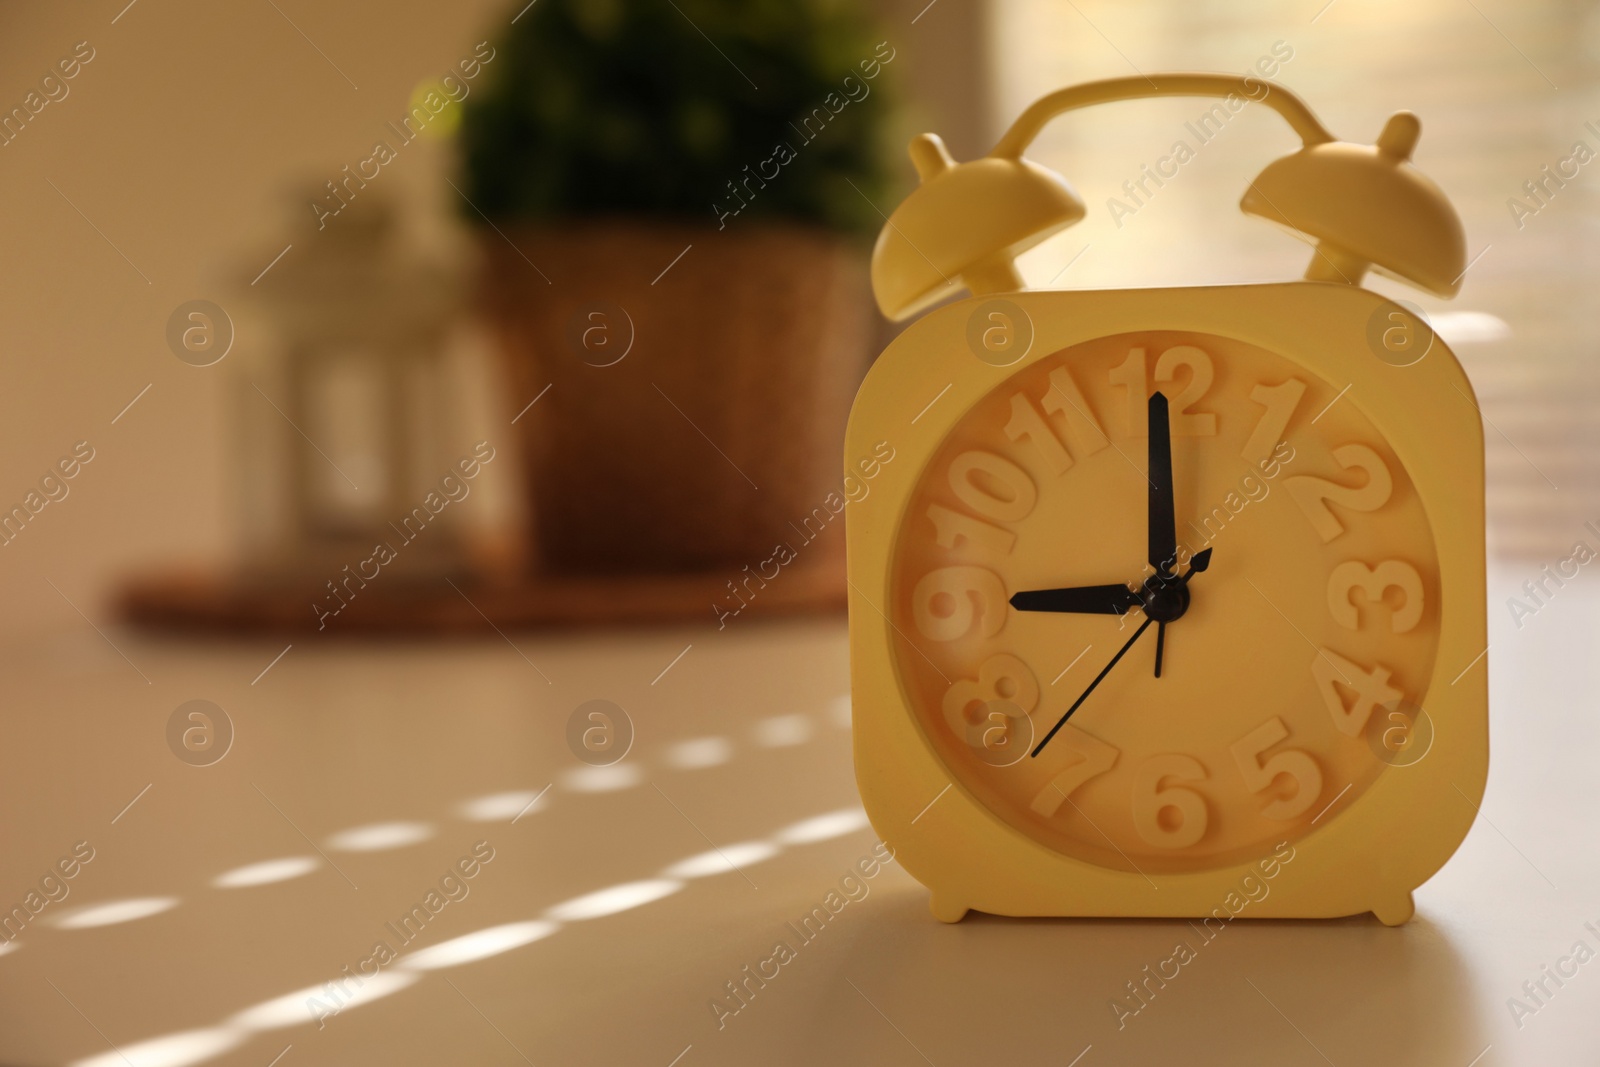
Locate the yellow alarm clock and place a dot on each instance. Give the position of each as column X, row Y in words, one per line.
column 1175, row 589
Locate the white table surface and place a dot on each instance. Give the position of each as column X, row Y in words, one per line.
column 335, row 737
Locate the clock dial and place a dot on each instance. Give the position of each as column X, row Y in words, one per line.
column 1291, row 657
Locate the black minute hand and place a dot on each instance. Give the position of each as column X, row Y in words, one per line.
column 1163, row 523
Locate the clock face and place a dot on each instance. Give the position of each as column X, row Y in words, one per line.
column 1292, row 665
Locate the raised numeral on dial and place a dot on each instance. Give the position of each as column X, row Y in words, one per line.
column 1334, row 673
column 1280, row 402
column 1027, row 424
column 1375, row 582
column 1001, row 678
column 1130, row 374
column 1313, row 494
column 1259, row 774
column 1186, row 423
column 1095, row 757
column 993, row 486
column 951, row 529
column 950, row 601
column 1067, row 400
column 1170, row 817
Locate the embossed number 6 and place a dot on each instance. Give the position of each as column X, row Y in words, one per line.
column 1150, row 800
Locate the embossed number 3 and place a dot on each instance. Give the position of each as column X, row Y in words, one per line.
column 1375, row 582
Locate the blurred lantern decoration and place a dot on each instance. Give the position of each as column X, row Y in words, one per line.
column 349, row 419
column 360, row 326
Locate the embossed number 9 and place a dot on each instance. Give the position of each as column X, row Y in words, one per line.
column 950, row 601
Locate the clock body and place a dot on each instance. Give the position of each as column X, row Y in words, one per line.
column 1322, row 707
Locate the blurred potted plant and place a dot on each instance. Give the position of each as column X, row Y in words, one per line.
column 680, row 195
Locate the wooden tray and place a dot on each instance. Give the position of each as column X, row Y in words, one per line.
column 220, row 604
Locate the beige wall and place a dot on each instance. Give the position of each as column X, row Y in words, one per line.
column 175, row 141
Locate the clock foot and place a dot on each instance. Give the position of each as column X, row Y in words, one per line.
column 945, row 910
column 1396, row 910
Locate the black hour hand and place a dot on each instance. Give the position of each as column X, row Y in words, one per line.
column 1079, row 600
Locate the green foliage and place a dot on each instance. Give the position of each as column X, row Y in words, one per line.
column 646, row 107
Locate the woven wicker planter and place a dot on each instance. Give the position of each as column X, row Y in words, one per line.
column 722, row 424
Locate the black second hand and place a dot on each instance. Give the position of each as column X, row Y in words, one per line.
column 1105, row 671
column 1200, row 563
